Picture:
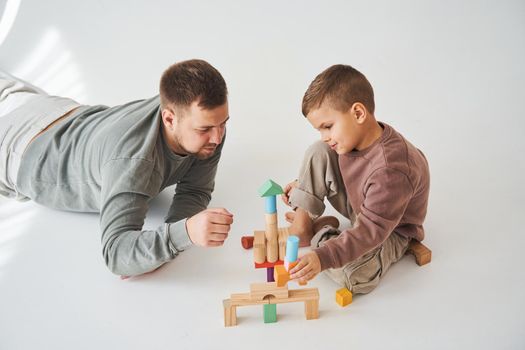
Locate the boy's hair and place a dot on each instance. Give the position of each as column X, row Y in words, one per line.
column 340, row 86
column 188, row 81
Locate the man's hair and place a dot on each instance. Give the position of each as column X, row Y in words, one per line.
column 340, row 86
column 194, row 80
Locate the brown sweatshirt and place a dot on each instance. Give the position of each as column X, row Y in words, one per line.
column 387, row 185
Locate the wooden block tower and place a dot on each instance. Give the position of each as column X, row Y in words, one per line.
column 269, row 246
column 271, row 249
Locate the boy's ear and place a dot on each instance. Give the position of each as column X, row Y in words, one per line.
column 359, row 112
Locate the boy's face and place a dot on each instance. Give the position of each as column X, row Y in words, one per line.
column 339, row 130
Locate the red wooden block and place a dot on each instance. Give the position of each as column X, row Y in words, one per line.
column 247, row 242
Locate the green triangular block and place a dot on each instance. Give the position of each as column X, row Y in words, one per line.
column 270, row 188
column 270, row 313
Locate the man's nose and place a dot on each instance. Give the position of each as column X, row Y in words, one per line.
column 216, row 135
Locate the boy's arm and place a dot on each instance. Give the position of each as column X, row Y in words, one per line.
column 387, row 193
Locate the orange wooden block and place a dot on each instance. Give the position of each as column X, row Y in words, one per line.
column 280, row 275
column 422, row 254
column 343, row 296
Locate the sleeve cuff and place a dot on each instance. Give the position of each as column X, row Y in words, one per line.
column 179, row 235
column 325, row 257
column 306, row 201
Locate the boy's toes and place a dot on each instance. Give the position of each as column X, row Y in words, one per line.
column 289, row 216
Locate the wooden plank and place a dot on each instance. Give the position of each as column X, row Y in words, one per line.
column 258, row 291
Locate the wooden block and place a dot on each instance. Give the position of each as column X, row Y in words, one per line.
column 262, row 291
column 311, row 309
column 269, row 294
column 343, row 297
column 422, row 254
column 270, row 313
column 289, row 265
column 244, row 299
column 269, row 274
column 282, row 250
column 259, row 247
column 304, row 294
column 272, row 233
column 270, row 188
column 247, row 242
column 270, row 219
column 272, row 251
column 266, row 264
column 281, row 276
column 230, row 313
column 283, row 236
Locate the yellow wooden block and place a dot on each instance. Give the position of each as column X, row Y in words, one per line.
column 343, row 296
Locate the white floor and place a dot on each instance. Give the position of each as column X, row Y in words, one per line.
column 448, row 75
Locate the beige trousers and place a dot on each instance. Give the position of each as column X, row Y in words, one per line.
column 320, row 179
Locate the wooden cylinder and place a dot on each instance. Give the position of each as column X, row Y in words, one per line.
column 272, row 233
column 272, row 251
column 259, row 247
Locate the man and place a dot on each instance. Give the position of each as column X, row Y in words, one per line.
column 115, row 160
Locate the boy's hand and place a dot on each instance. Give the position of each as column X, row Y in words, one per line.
column 210, row 227
column 307, row 268
column 286, row 195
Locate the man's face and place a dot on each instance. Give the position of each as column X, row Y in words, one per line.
column 340, row 130
column 194, row 130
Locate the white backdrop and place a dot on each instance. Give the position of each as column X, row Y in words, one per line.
column 449, row 75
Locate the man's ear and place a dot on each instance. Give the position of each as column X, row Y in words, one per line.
column 359, row 112
column 168, row 118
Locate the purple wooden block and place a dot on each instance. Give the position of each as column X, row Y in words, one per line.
column 269, row 274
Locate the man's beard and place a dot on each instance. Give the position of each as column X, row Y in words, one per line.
column 198, row 154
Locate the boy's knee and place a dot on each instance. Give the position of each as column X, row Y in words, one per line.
column 319, row 150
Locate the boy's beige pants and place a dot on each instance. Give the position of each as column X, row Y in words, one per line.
column 320, row 178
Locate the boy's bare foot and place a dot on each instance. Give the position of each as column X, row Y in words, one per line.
column 322, row 221
column 301, row 226
column 318, row 223
column 289, row 216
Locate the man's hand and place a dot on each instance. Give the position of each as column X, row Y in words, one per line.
column 307, row 268
column 286, row 195
column 210, row 227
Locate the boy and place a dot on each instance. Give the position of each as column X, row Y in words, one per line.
column 368, row 172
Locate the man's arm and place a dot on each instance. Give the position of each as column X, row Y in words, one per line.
column 193, row 191
column 127, row 186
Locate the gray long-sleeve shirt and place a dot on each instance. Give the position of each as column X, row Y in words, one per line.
column 114, row 161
